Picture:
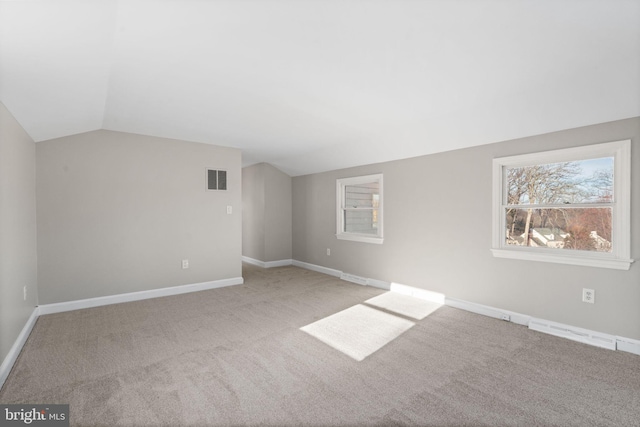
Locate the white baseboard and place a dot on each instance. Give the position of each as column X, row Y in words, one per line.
column 379, row 284
column 136, row 296
column 16, row 348
column 358, row 280
column 627, row 344
column 318, row 268
column 574, row 333
column 267, row 264
column 279, row 263
column 344, row 276
column 485, row 310
column 253, row 261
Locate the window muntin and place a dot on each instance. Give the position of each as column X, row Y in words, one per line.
column 359, row 206
column 567, row 206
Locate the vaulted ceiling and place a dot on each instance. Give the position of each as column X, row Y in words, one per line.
column 315, row 85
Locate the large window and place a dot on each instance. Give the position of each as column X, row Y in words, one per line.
column 567, row 206
column 359, row 208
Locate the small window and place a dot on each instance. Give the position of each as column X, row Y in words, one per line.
column 567, row 206
column 359, row 208
column 216, row 179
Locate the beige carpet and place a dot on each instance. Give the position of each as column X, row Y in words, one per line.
column 237, row 356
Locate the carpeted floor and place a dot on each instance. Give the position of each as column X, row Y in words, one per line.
column 237, row 356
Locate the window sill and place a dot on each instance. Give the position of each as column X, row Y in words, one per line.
column 360, row 238
column 563, row 258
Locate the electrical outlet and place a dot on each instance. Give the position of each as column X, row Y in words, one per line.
column 229, row 210
column 185, row 263
column 328, row 252
column 24, row 291
column 588, row 295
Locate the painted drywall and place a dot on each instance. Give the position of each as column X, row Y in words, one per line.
column 253, row 212
column 277, row 214
column 118, row 212
column 267, row 213
column 18, row 254
column 437, row 213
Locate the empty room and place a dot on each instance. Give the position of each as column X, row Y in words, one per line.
column 320, row 212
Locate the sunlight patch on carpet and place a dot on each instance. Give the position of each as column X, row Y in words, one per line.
column 406, row 305
column 358, row 331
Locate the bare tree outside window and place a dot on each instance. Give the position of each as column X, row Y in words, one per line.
column 563, row 205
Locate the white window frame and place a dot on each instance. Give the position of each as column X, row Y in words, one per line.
column 341, row 183
column 620, row 256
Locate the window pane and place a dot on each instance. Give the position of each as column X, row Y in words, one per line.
column 361, row 221
column 585, row 181
column 361, row 195
column 586, row 229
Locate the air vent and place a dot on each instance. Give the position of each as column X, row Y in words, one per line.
column 574, row 333
column 354, row 279
column 216, row 179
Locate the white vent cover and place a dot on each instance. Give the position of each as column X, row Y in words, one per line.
column 354, row 279
column 216, row 179
column 574, row 333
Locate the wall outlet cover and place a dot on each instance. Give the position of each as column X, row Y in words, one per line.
column 588, row 296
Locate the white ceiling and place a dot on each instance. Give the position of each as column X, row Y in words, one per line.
column 315, row 85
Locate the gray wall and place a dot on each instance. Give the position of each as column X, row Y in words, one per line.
column 437, row 226
column 266, row 213
column 253, row 212
column 118, row 212
column 18, row 262
column 277, row 214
